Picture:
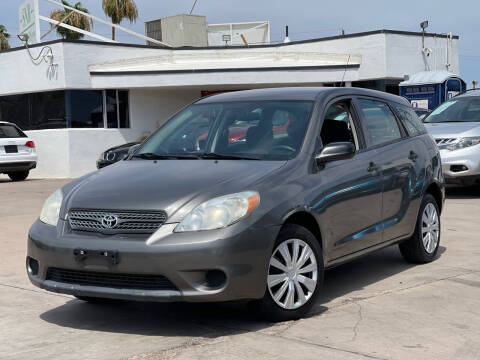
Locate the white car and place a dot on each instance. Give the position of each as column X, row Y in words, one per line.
column 17, row 152
column 455, row 126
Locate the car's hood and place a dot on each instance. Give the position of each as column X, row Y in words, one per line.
column 453, row 129
column 163, row 185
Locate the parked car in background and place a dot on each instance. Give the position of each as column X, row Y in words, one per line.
column 17, row 152
column 455, row 126
column 114, row 154
column 259, row 218
column 422, row 113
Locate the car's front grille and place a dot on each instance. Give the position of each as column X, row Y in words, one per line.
column 116, row 221
column 110, row 280
column 444, row 142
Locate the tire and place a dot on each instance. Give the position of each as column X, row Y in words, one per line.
column 18, row 175
column 415, row 249
column 287, row 306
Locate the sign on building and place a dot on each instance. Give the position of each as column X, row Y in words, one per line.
column 29, row 21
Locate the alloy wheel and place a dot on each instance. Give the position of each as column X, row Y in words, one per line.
column 430, row 228
column 292, row 274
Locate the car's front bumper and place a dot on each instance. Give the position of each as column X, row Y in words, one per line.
column 453, row 161
column 240, row 252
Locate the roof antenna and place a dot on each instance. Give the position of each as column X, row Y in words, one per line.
column 193, row 7
column 287, row 39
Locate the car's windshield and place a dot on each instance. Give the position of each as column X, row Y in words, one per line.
column 260, row 130
column 10, row 131
column 462, row 109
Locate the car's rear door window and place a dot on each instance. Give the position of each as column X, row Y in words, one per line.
column 380, row 124
column 10, row 131
column 410, row 120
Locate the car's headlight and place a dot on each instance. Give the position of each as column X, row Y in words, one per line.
column 220, row 212
column 51, row 208
column 463, row 143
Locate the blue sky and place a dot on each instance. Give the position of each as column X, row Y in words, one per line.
column 306, row 18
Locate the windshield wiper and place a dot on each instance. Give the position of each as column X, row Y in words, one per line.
column 153, row 156
column 227, row 157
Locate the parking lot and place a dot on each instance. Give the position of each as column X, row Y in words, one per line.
column 378, row 307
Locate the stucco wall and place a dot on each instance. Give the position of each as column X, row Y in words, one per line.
column 404, row 55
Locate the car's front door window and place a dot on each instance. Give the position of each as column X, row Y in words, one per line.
column 338, row 125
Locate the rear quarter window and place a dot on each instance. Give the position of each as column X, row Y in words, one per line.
column 10, row 131
column 410, row 120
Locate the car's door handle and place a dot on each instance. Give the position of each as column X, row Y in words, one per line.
column 372, row 167
column 413, row 156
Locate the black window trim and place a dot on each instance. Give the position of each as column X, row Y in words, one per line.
column 403, row 133
column 349, row 99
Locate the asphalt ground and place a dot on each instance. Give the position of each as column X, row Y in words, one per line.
column 377, row 307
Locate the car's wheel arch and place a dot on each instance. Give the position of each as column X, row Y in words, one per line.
column 303, row 217
column 435, row 190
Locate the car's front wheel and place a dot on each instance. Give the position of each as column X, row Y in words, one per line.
column 422, row 247
column 295, row 275
column 18, row 175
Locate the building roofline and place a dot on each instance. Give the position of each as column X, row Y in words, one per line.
column 233, row 47
column 199, row 71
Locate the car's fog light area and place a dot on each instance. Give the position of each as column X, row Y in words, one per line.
column 32, row 266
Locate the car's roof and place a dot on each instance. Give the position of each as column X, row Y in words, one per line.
column 469, row 93
column 5, row 122
column 297, row 93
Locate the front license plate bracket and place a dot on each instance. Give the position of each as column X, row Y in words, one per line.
column 109, row 255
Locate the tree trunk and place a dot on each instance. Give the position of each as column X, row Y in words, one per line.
column 113, row 33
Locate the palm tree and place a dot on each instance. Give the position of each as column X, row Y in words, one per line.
column 474, row 84
column 72, row 18
column 4, row 38
column 117, row 10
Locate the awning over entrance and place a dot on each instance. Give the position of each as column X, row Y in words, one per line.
column 226, row 67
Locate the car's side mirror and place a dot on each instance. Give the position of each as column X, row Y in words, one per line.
column 132, row 149
column 336, row 151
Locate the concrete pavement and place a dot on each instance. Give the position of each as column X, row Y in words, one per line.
column 378, row 307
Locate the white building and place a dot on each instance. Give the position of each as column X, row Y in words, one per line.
column 96, row 95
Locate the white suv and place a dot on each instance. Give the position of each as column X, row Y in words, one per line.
column 17, row 152
column 455, row 126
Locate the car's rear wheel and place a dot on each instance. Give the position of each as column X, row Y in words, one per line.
column 295, row 275
column 18, row 175
column 423, row 246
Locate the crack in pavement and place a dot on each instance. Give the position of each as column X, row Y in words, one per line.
column 35, row 291
column 359, row 320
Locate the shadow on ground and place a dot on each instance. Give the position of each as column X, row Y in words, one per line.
column 462, row 192
column 211, row 320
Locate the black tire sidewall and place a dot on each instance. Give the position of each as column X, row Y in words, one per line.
column 18, row 175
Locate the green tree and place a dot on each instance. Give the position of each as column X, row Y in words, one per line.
column 4, row 36
column 72, row 18
column 117, row 10
column 474, row 84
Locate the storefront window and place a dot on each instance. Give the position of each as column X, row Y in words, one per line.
column 84, row 108
column 47, row 110
column 70, row 108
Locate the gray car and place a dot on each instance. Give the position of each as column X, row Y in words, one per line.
column 246, row 195
column 455, row 126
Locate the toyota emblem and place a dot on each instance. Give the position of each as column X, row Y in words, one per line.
column 110, row 221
